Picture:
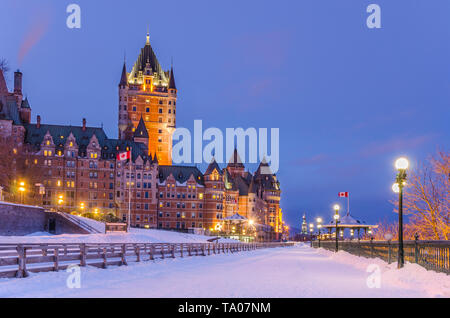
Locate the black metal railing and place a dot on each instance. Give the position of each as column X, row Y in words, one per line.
column 433, row 255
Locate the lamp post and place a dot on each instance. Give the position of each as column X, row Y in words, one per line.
column 319, row 226
column 311, row 230
column 21, row 190
column 336, row 220
column 401, row 164
column 60, row 200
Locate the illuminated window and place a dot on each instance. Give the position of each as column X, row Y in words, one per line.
column 200, row 195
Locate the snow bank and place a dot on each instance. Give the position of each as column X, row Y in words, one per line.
column 412, row 276
column 134, row 236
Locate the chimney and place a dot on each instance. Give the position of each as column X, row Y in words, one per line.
column 18, row 82
column 84, row 124
column 38, row 122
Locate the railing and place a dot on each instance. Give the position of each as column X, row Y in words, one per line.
column 16, row 260
column 80, row 223
column 433, row 255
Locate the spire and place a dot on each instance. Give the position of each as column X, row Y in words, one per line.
column 172, row 79
column 148, row 38
column 123, row 78
column 235, row 160
column 141, row 130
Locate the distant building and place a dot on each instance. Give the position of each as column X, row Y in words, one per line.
column 304, row 225
column 79, row 162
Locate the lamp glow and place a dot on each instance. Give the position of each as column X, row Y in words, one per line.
column 401, row 163
column 395, row 188
column 336, row 207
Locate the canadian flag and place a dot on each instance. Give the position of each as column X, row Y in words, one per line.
column 124, row 155
column 343, row 194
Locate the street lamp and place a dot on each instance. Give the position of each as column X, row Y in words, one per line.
column 60, row 200
column 336, row 220
column 311, row 230
column 21, row 190
column 401, row 164
column 319, row 226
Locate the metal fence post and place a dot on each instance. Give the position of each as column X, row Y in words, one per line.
column 416, row 248
column 389, row 252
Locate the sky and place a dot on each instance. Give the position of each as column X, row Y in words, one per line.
column 348, row 100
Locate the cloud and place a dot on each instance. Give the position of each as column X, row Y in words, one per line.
column 35, row 32
column 394, row 144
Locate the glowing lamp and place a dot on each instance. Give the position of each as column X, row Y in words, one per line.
column 395, row 188
column 401, row 163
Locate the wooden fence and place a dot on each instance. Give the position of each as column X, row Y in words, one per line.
column 17, row 260
column 433, row 255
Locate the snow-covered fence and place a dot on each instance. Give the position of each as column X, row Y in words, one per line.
column 16, row 260
column 433, row 255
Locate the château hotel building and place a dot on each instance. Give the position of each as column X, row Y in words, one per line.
column 78, row 163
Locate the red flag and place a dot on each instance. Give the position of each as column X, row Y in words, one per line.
column 343, row 194
column 124, row 155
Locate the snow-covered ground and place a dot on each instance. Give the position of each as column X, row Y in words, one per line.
column 297, row 271
column 134, row 236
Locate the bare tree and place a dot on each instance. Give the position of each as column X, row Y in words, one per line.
column 426, row 198
column 4, row 65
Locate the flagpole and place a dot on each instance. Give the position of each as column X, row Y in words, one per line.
column 348, row 204
column 129, row 195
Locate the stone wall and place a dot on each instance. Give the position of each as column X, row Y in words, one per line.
column 17, row 219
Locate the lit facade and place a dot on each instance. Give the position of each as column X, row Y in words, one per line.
column 79, row 165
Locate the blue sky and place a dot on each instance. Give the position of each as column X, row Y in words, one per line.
column 347, row 99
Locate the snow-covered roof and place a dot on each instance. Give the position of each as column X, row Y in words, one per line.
column 349, row 221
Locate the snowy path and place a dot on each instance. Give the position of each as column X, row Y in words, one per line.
column 282, row 272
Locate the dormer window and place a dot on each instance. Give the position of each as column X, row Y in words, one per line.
column 48, row 143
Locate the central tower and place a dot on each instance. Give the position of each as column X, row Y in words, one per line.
column 150, row 93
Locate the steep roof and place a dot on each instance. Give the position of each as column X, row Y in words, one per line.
column 59, row 133
column 235, row 160
column 141, row 130
column 180, row 173
column 263, row 168
column 213, row 165
column 147, row 55
column 123, row 78
column 172, row 79
column 25, row 103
